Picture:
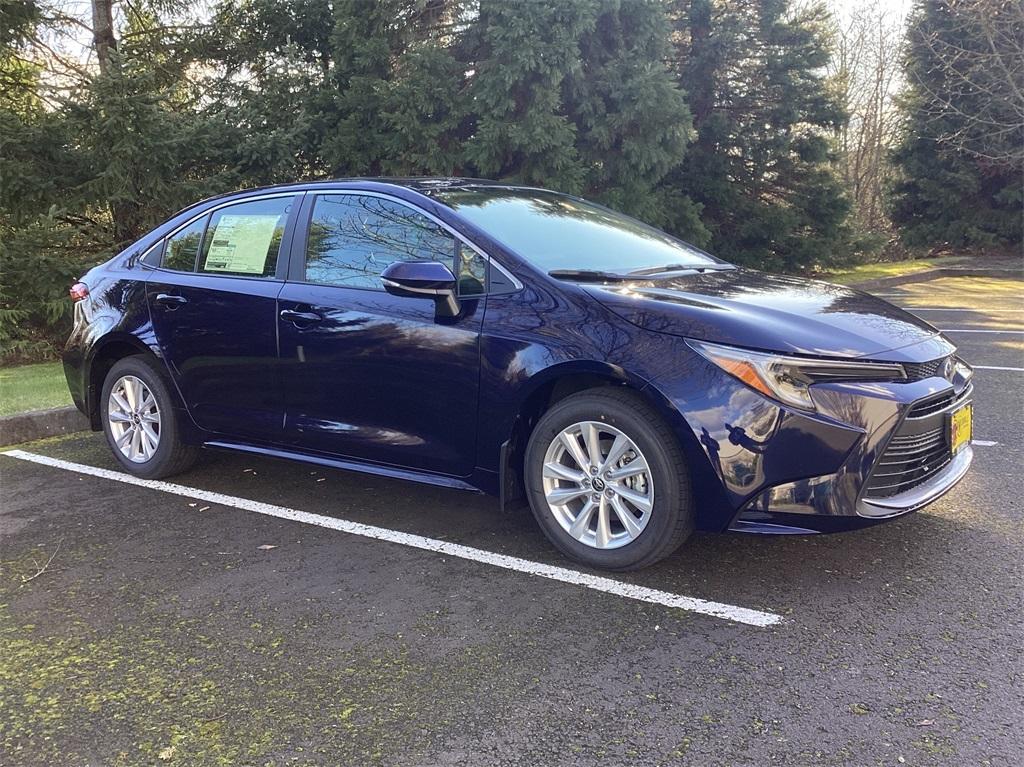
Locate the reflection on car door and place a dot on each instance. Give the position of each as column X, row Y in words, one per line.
column 367, row 374
column 213, row 304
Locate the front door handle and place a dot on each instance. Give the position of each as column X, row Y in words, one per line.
column 170, row 301
column 300, row 319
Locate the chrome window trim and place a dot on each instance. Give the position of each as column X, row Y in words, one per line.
column 141, row 259
column 517, row 285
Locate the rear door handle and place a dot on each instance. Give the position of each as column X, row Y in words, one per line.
column 300, row 319
column 170, row 301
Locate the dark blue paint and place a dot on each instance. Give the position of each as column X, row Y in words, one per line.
column 379, row 378
column 367, row 380
column 420, row 274
column 220, row 347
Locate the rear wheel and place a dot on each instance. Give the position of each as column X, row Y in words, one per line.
column 140, row 422
column 607, row 481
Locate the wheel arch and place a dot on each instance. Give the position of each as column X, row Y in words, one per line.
column 542, row 391
column 561, row 381
column 712, row 511
column 105, row 354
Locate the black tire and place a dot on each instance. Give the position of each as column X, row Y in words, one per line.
column 171, row 456
column 671, row 520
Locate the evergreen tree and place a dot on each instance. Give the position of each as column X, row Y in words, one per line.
column 270, row 90
column 34, row 255
column 961, row 156
column 631, row 119
column 525, row 51
column 760, row 168
column 577, row 96
column 400, row 90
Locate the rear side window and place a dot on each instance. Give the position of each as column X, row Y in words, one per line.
column 353, row 238
column 244, row 240
column 183, row 247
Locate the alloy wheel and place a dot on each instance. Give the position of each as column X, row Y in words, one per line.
column 598, row 485
column 134, row 419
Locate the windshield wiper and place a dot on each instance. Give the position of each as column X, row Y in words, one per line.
column 587, row 274
column 680, row 268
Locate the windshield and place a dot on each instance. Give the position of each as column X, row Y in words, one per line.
column 557, row 232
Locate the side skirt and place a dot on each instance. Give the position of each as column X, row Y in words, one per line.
column 380, row 470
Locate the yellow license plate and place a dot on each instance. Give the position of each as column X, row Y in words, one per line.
column 960, row 427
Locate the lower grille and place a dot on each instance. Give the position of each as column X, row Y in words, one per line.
column 919, row 449
column 908, row 461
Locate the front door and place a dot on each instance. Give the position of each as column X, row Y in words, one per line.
column 213, row 304
column 369, row 375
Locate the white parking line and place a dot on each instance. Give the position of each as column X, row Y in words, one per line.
column 972, row 330
column 552, row 572
column 957, row 309
column 984, row 442
column 996, row 367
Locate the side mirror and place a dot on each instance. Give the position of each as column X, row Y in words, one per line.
column 423, row 279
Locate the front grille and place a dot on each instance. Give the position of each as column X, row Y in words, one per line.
column 931, row 405
column 919, row 449
column 908, row 461
column 917, row 371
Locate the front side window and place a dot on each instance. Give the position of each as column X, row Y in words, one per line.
column 244, row 240
column 353, row 238
column 183, row 247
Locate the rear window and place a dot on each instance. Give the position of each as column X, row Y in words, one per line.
column 183, row 247
column 244, row 240
column 240, row 240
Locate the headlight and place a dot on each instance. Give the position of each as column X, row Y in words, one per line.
column 788, row 379
column 962, row 369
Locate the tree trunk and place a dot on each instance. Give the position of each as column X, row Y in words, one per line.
column 103, row 32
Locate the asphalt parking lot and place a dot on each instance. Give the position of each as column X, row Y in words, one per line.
column 172, row 629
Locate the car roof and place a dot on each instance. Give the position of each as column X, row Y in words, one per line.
column 422, row 184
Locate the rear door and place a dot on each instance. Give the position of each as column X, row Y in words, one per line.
column 367, row 374
column 213, row 304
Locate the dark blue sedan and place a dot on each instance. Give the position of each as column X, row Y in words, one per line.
column 519, row 342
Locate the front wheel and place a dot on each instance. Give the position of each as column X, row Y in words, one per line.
column 140, row 421
column 607, row 481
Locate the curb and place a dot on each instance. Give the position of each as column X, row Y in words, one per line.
column 934, row 274
column 25, row 427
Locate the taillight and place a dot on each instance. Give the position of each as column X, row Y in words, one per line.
column 78, row 291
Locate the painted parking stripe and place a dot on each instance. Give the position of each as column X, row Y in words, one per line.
column 552, row 572
column 996, row 367
column 957, row 309
column 973, row 330
column 984, row 442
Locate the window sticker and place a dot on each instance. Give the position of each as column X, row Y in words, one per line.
column 241, row 244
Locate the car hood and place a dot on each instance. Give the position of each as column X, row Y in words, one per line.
column 747, row 308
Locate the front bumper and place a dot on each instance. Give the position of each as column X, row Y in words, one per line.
column 901, row 466
column 920, row 495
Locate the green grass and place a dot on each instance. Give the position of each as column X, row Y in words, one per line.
column 33, row 387
column 866, row 272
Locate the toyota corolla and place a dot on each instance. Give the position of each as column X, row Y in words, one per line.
column 520, row 342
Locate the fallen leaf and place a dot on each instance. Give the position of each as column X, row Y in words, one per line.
column 267, row 547
column 167, row 753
